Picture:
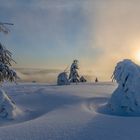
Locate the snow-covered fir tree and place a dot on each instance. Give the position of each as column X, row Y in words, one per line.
column 83, row 79
column 126, row 98
column 74, row 76
column 8, row 108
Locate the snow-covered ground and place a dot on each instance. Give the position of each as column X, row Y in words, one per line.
column 70, row 112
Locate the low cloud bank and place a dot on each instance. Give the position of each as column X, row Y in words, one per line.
column 43, row 75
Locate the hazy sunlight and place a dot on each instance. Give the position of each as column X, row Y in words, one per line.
column 137, row 55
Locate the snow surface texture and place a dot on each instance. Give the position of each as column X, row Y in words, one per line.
column 66, row 113
column 125, row 100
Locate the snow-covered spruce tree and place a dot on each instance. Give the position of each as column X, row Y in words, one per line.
column 74, row 76
column 126, row 98
column 82, row 79
column 8, row 108
column 62, row 79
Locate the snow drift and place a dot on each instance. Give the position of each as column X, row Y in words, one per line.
column 125, row 100
column 8, row 109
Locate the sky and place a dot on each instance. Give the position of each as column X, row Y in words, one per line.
column 49, row 34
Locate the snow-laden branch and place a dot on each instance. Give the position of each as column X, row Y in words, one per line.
column 6, row 73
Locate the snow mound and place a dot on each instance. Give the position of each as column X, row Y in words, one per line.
column 63, row 79
column 125, row 100
column 8, row 109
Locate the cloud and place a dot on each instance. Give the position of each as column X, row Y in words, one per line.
column 37, row 75
column 116, row 33
column 44, row 75
column 47, row 27
column 98, row 32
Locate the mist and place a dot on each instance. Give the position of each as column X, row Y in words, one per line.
column 50, row 34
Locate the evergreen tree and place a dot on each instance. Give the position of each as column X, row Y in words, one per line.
column 82, row 79
column 6, row 73
column 74, row 76
column 7, row 106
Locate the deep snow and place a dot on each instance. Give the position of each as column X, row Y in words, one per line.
column 66, row 113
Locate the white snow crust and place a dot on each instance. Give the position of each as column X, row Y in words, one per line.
column 70, row 112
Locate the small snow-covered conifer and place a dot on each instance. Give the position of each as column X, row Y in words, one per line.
column 82, row 79
column 74, row 76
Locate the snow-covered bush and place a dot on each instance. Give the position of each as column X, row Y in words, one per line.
column 126, row 98
column 62, row 79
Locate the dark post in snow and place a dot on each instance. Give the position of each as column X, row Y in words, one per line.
column 96, row 80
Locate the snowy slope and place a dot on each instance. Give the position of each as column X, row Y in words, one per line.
column 66, row 113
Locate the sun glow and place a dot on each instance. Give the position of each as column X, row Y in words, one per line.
column 137, row 55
